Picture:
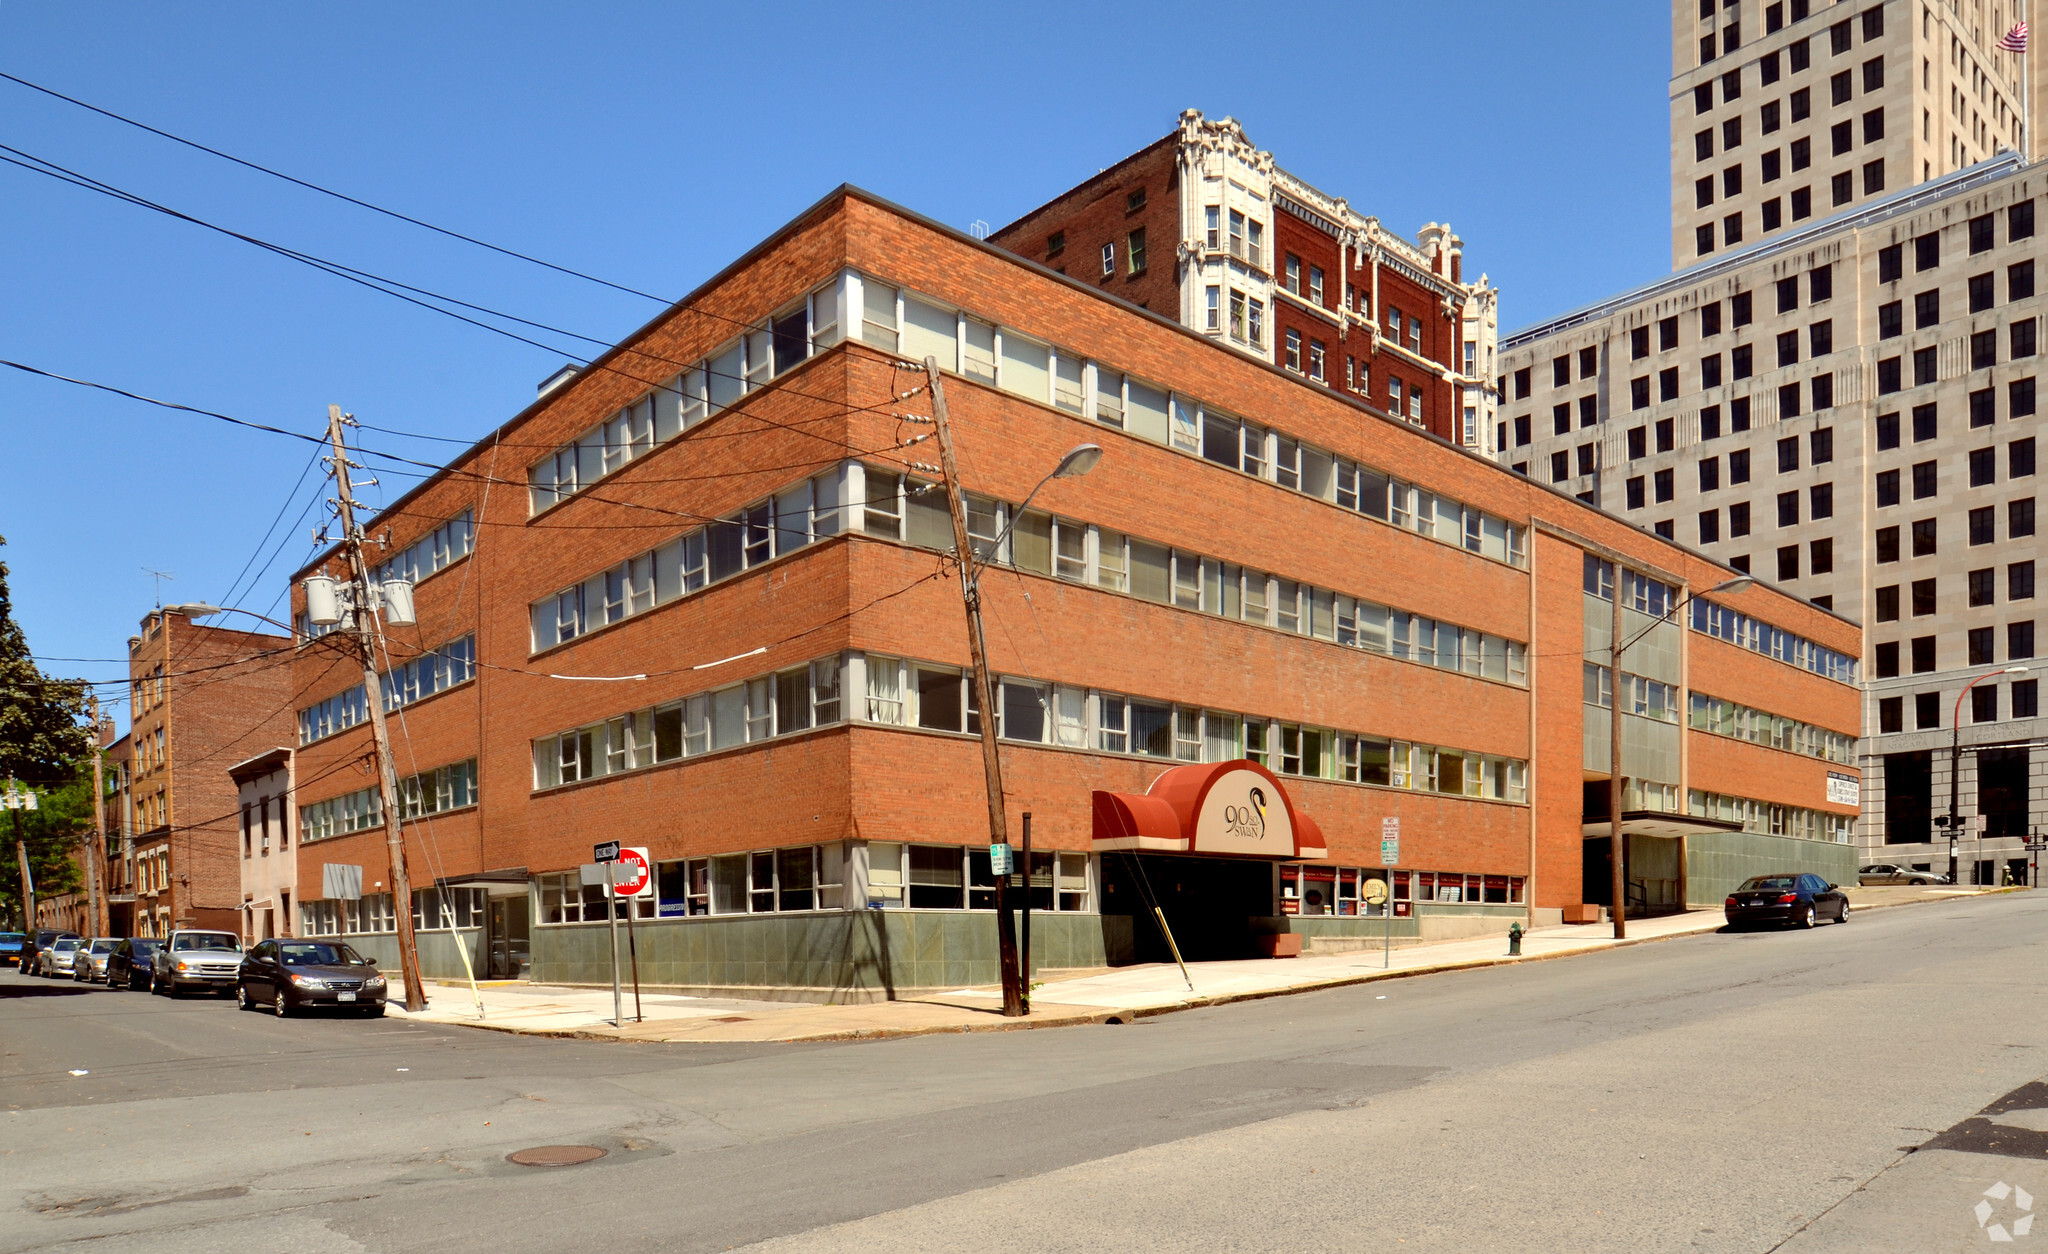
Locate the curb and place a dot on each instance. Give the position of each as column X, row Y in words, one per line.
column 1131, row 1014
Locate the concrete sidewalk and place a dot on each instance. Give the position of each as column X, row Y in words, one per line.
column 1118, row 995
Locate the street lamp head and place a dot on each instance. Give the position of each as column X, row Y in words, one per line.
column 193, row 609
column 2015, row 670
column 1079, row 461
column 1741, row 583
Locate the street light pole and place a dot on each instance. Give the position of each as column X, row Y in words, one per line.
column 1955, row 762
column 1077, row 461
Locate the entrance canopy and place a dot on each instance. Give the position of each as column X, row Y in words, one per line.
column 1220, row 809
column 1658, row 823
column 510, row 882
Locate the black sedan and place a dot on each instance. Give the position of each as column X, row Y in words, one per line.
column 285, row 975
column 128, row 965
column 1801, row 900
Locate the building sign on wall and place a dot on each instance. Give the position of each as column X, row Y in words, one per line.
column 1844, row 790
column 1243, row 813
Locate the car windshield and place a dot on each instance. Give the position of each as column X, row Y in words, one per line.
column 143, row 947
column 204, row 940
column 320, row 955
column 64, row 946
column 1765, row 883
column 104, row 945
column 12, row 938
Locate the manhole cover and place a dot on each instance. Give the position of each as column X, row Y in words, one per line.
column 555, row 1155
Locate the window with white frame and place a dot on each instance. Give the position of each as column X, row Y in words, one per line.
column 432, row 553
column 444, row 788
column 565, row 898
column 357, row 811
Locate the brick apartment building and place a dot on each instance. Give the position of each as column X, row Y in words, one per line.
column 200, row 700
column 719, row 623
column 1204, row 228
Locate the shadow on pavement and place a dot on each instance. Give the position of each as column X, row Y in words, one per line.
column 40, row 989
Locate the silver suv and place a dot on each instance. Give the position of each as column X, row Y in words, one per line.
column 195, row 959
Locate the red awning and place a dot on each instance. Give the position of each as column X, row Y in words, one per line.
column 1222, row 809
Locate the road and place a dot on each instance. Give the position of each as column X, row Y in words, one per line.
column 1738, row 1092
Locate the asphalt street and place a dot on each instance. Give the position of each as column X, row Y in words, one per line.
column 1856, row 1087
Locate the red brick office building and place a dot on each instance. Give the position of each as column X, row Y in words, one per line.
column 1205, row 228
column 695, row 598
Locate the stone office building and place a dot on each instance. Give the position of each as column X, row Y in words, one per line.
column 1849, row 412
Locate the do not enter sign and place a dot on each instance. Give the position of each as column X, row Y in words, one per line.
column 631, row 876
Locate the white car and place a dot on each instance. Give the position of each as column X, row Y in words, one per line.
column 1886, row 873
column 56, row 960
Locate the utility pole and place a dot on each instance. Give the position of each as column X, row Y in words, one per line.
column 366, row 634
column 1015, row 1003
column 28, row 881
column 95, row 882
column 1617, row 843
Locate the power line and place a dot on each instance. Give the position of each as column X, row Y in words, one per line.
column 291, row 496
column 328, row 191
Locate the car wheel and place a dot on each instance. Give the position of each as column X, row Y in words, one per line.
column 280, row 1005
column 375, row 1012
column 1807, row 920
column 1842, row 916
column 241, row 998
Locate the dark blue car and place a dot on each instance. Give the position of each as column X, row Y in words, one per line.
column 1798, row 900
column 11, row 945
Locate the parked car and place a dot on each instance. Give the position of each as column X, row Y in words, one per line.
column 90, row 966
column 286, row 975
column 195, row 959
column 55, row 961
column 38, row 941
column 128, row 965
column 1801, row 900
column 1886, row 873
column 11, row 945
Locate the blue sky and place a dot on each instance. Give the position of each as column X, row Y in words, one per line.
column 652, row 144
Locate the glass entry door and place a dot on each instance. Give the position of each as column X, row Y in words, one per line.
column 508, row 926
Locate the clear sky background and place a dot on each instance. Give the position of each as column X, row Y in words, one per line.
column 651, row 144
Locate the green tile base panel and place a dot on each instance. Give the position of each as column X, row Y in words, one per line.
column 841, row 956
column 1718, row 861
column 439, row 958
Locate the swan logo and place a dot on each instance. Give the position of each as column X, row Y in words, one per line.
column 2000, row 1229
column 1248, row 821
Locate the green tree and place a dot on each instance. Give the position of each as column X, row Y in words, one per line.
column 57, row 833
column 42, row 741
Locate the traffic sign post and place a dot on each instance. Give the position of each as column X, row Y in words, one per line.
column 611, row 914
column 635, row 880
column 606, row 852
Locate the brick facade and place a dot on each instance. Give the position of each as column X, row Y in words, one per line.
column 863, row 598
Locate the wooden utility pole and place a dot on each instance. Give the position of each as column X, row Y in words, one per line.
column 1617, row 842
column 1015, row 1002
column 96, row 883
column 366, row 633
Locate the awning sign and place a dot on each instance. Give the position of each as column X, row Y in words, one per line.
column 1844, row 790
column 1244, row 814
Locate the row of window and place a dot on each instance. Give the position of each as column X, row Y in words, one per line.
column 433, row 910
column 1725, row 40
column 937, row 697
column 1980, row 641
column 432, row 553
column 437, row 791
column 1722, row 623
column 1982, row 588
column 898, row 508
column 1309, row 889
column 706, row 388
column 915, row 328
column 1766, row 818
column 1984, row 706
column 358, row 811
column 1729, row 718
column 1640, row 696
column 435, row 671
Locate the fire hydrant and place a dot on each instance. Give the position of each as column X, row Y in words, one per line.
column 1514, row 940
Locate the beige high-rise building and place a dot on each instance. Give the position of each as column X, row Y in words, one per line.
column 1784, row 112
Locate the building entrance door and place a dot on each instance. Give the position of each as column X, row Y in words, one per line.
column 1208, row 902
column 506, row 924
